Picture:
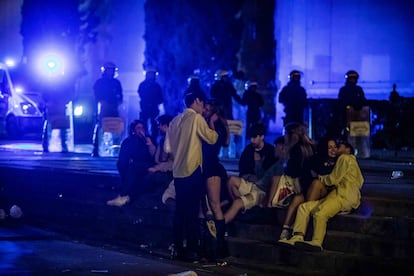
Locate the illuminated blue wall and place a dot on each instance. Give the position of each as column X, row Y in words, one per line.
column 324, row 39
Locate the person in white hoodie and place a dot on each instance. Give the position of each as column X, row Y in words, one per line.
column 347, row 180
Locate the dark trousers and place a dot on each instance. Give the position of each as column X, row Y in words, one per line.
column 188, row 195
column 131, row 178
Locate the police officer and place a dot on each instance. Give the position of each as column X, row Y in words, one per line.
column 151, row 97
column 294, row 98
column 108, row 95
column 223, row 91
column 108, row 91
column 351, row 94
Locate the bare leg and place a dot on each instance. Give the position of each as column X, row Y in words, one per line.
column 316, row 191
column 293, row 206
column 233, row 185
column 234, row 209
column 273, row 189
column 213, row 194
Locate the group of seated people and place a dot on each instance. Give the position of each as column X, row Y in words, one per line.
column 319, row 179
column 143, row 165
column 303, row 177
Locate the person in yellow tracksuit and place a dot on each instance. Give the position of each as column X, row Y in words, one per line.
column 347, row 179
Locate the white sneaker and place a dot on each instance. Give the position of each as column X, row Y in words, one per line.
column 286, row 234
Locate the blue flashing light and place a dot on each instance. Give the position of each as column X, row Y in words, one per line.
column 51, row 65
column 78, row 111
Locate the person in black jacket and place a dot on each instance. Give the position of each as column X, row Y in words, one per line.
column 223, row 91
column 108, row 91
column 254, row 101
column 294, row 98
column 151, row 96
column 350, row 96
column 135, row 158
column 257, row 156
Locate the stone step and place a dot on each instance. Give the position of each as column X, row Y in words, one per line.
column 75, row 204
column 337, row 239
column 383, row 206
column 326, row 262
column 401, row 227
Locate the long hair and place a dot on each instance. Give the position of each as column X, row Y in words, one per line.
column 296, row 134
column 217, row 109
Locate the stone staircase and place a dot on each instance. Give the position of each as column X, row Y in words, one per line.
column 378, row 238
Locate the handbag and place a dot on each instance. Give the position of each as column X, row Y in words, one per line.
column 286, row 189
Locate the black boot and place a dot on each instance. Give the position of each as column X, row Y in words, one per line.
column 208, row 242
column 202, row 242
column 222, row 250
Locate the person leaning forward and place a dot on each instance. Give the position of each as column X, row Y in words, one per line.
column 184, row 140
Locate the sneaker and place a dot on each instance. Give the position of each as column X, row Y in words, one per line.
column 211, row 226
column 118, row 201
column 291, row 242
column 286, row 234
column 309, row 246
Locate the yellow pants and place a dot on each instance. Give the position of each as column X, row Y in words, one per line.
column 321, row 210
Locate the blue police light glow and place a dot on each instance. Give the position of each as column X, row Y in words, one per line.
column 19, row 89
column 10, row 62
column 51, row 65
column 78, row 111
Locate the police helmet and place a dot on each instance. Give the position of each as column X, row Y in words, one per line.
column 151, row 71
column 295, row 75
column 108, row 65
column 249, row 84
column 220, row 74
column 193, row 80
column 352, row 74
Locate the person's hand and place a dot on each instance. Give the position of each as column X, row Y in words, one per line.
column 214, row 118
column 149, row 142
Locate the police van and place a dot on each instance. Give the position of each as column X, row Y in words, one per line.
column 19, row 115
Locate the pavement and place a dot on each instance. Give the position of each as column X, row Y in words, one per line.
column 28, row 250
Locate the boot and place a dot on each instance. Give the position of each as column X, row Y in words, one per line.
column 222, row 250
column 202, row 242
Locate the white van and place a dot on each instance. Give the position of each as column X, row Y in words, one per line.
column 19, row 114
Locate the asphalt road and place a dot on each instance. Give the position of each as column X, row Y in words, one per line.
column 25, row 250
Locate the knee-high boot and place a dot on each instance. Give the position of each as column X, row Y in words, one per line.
column 222, row 250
